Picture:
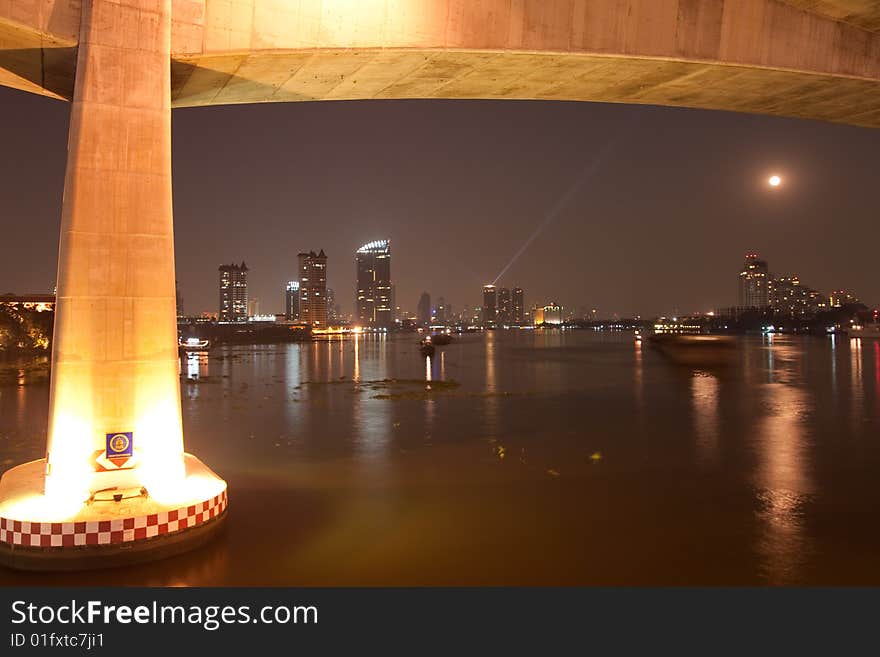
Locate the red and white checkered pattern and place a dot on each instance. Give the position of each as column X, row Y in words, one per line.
column 108, row 532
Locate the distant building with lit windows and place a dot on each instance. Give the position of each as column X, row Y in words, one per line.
column 754, row 283
column 423, row 310
column 840, row 298
column 789, row 297
column 233, row 293
column 313, row 288
column 504, row 315
column 519, row 310
column 490, row 306
column 374, row 293
column 291, row 301
column 549, row 315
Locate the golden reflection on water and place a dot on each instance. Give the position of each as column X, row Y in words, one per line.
column 357, row 358
column 372, row 426
column 856, row 381
column 490, row 403
column 429, row 403
column 783, row 482
column 704, row 399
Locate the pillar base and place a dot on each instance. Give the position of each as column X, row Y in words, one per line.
column 105, row 534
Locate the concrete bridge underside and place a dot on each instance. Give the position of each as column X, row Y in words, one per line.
column 816, row 59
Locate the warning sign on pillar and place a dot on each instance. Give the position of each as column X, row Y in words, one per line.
column 120, row 447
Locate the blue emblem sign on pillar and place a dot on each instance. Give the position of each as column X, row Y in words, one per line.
column 120, row 447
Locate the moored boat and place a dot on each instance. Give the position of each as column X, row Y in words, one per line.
column 865, row 331
column 193, row 344
column 426, row 346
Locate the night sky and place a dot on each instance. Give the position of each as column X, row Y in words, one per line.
column 661, row 226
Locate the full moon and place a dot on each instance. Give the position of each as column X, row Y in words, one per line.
column 775, row 181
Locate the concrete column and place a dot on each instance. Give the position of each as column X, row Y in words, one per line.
column 114, row 360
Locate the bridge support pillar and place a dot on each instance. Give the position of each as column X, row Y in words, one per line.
column 115, row 446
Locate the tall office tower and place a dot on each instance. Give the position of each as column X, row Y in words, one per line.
column 313, row 289
column 332, row 307
column 441, row 311
column 233, row 293
column 374, row 306
column 519, row 308
column 291, row 301
column 505, row 308
column 754, row 283
column 423, row 310
column 490, row 306
column 178, row 298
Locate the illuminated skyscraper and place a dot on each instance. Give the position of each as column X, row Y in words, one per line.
column 490, row 306
column 332, row 307
column 754, row 283
column 505, row 307
column 233, row 293
column 313, row 288
column 373, row 299
column 291, row 301
column 178, row 298
column 519, row 309
column 424, row 309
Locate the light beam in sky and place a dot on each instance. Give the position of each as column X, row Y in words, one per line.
column 586, row 174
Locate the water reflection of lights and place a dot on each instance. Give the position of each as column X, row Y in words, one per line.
column 491, row 400
column 784, row 485
column 430, row 404
column 357, row 359
column 856, row 381
column 639, row 383
column 372, row 417
column 704, row 399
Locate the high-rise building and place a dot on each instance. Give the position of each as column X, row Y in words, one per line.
column 423, row 310
column 519, row 309
column 373, row 302
column 178, row 298
column 505, row 307
column 233, row 293
column 291, row 301
column 754, row 283
column 490, row 306
column 313, row 288
column 440, row 311
column 788, row 296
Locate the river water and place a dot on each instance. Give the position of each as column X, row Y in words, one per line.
column 521, row 457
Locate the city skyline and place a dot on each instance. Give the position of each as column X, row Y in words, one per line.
column 629, row 242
